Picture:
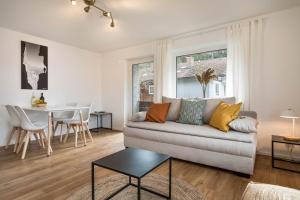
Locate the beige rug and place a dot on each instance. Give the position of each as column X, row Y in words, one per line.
column 103, row 188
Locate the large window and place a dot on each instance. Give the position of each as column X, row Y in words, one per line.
column 142, row 86
column 188, row 66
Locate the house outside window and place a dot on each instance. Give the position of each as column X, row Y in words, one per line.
column 142, row 86
column 187, row 66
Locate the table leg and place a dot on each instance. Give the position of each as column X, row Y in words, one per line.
column 272, row 154
column 49, row 149
column 93, row 182
column 139, row 189
column 101, row 120
column 111, row 122
column 170, row 178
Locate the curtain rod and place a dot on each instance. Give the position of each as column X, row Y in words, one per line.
column 213, row 28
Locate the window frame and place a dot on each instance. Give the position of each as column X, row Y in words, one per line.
column 189, row 54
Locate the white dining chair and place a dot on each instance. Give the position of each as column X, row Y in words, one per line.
column 30, row 128
column 60, row 118
column 80, row 125
column 16, row 126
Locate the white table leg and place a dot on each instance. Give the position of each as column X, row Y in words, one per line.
column 49, row 149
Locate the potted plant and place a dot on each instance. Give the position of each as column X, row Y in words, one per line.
column 204, row 78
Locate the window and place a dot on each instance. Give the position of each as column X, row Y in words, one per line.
column 142, row 86
column 187, row 66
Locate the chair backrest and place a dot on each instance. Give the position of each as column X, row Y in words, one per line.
column 14, row 116
column 70, row 114
column 86, row 112
column 26, row 123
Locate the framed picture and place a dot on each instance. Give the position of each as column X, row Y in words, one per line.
column 34, row 66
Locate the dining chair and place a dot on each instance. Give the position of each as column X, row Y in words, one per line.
column 36, row 129
column 61, row 117
column 16, row 126
column 80, row 125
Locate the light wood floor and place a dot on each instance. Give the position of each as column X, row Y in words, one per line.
column 56, row 177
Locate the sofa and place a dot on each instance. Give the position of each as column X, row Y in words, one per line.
column 234, row 151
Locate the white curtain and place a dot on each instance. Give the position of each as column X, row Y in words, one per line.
column 244, row 53
column 163, row 71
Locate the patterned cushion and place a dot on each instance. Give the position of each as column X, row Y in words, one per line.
column 191, row 111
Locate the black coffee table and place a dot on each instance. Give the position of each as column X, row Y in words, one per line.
column 134, row 163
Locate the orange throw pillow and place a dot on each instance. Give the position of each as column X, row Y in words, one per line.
column 158, row 112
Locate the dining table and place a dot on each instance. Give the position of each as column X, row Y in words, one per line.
column 54, row 109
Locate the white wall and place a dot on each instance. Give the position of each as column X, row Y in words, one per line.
column 74, row 75
column 280, row 82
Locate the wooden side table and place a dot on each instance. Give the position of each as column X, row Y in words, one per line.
column 280, row 139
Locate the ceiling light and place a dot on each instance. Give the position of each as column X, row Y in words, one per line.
column 73, row 2
column 91, row 3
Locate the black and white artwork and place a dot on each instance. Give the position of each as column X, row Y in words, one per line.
column 34, row 66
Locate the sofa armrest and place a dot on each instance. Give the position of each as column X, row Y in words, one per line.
column 252, row 114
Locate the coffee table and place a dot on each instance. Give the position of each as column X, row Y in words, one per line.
column 135, row 163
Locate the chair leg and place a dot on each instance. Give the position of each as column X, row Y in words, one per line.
column 37, row 139
column 83, row 133
column 17, row 139
column 21, row 141
column 89, row 133
column 61, row 127
column 80, row 133
column 76, row 135
column 68, row 131
column 55, row 128
column 10, row 137
column 28, row 135
column 46, row 140
column 42, row 139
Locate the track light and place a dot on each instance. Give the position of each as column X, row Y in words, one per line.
column 91, row 3
column 73, row 2
column 87, row 9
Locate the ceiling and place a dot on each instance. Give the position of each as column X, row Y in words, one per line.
column 137, row 21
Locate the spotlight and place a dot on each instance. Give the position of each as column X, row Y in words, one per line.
column 112, row 24
column 106, row 14
column 73, row 2
column 87, row 9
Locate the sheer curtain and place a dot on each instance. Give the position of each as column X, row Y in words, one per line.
column 163, row 72
column 244, row 53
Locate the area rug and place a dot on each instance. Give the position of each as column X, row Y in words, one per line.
column 103, row 188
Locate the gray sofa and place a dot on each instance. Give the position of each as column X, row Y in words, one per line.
column 206, row 145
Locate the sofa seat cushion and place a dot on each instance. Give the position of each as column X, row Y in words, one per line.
column 194, row 130
column 232, row 147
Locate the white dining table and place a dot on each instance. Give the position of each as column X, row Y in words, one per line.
column 54, row 109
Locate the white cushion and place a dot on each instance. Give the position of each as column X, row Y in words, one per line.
column 211, row 105
column 139, row 116
column 244, row 124
column 174, row 108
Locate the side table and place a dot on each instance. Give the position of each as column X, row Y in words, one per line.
column 280, row 139
column 100, row 115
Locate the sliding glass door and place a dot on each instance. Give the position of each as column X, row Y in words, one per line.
column 142, row 86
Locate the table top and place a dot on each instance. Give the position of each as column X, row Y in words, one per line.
column 280, row 139
column 132, row 162
column 55, row 108
column 101, row 113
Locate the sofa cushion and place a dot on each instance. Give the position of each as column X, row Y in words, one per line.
column 212, row 104
column 244, row 124
column 174, row 108
column 194, row 130
column 158, row 112
column 223, row 115
column 204, row 143
column 191, row 111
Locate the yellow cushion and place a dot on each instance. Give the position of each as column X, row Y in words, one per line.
column 224, row 114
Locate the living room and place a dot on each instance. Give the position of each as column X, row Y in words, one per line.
column 189, row 99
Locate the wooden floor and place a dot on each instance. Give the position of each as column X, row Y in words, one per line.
column 68, row 169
